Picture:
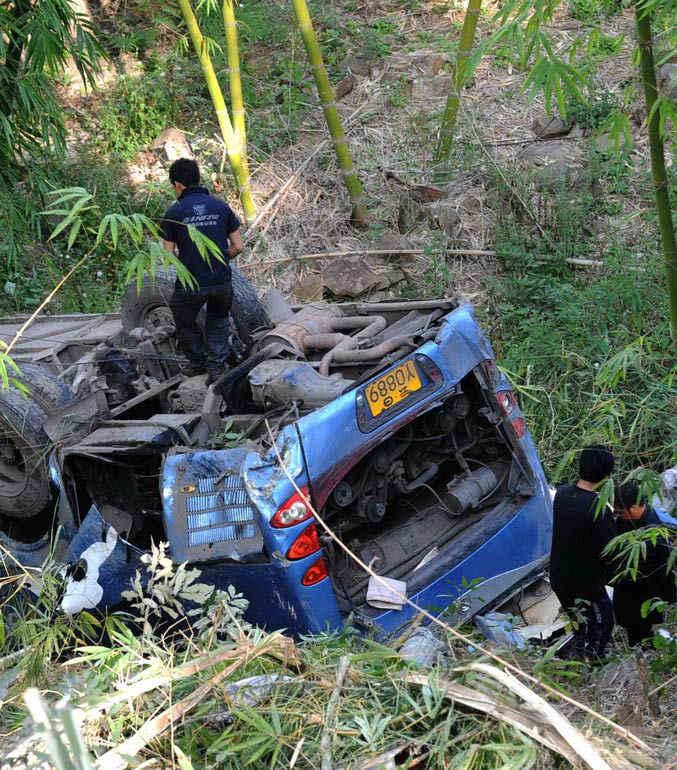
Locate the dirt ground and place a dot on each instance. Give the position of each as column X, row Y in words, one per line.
column 422, row 236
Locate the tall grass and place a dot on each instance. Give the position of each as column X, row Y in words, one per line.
column 588, row 349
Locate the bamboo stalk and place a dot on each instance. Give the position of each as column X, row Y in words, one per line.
column 657, row 152
column 559, row 722
column 403, row 252
column 364, row 252
column 119, row 758
column 338, row 137
column 235, row 81
column 446, row 139
column 275, row 199
column 332, row 706
column 527, row 723
column 232, row 148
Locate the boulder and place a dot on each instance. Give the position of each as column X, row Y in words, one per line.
column 410, row 213
column 428, row 62
column 445, row 215
column 173, row 143
column 358, row 67
column 428, row 193
column 349, row 277
column 344, row 86
column 308, row 288
column 550, row 126
column 557, row 151
column 425, row 89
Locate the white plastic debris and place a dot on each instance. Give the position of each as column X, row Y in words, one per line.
column 499, row 628
column 423, row 648
column 388, row 596
column 86, row 593
column 432, row 553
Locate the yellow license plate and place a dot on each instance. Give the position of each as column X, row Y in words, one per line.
column 392, row 388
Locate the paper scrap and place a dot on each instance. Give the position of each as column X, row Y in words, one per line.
column 385, row 597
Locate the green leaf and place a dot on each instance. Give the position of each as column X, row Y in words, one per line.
column 77, row 225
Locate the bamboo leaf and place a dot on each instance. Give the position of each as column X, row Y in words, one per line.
column 72, row 236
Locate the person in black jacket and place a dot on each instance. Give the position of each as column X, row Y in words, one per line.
column 652, row 581
column 581, row 531
column 214, row 218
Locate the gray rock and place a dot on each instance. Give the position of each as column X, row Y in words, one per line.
column 410, row 213
column 471, row 203
column 555, row 163
column 389, row 241
column 358, row 66
column 309, row 288
column 426, row 89
column 344, row 86
column 428, row 63
column 445, row 215
column 550, row 126
column 349, row 277
column 390, row 278
column 667, row 80
column 605, row 146
column 544, row 153
column 554, row 176
column 173, row 143
column 427, row 193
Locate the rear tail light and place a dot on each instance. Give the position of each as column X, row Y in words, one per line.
column 508, row 404
column 318, row 571
column 519, row 426
column 491, row 373
column 507, row 401
column 294, row 511
column 306, row 543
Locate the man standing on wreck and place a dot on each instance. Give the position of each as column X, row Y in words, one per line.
column 215, row 219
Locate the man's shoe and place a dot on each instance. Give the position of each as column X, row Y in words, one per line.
column 212, row 377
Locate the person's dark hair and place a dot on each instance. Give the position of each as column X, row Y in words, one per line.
column 626, row 495
column 595, row 464
column 185, row 171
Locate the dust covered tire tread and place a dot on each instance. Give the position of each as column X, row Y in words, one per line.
column 44, row 387
column 24, row 449
column 136, row 306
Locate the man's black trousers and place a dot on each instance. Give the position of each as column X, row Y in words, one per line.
column 593, row 622
column 208, row 351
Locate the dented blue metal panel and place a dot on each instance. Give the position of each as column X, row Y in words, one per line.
column 257, row 567
column 331, row 436
column 207, row 511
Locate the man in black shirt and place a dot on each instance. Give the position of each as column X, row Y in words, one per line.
column 653, row 580
column 215, row 219
column 581, row 531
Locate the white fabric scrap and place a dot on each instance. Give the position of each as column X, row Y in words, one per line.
column 385, row 597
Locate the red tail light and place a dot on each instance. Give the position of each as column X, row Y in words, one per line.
column 491, row 373
column 508, row 404
column 507, row 401
column 317, row 572
column 294, row 511
column 519, row 426
column 306, row 543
